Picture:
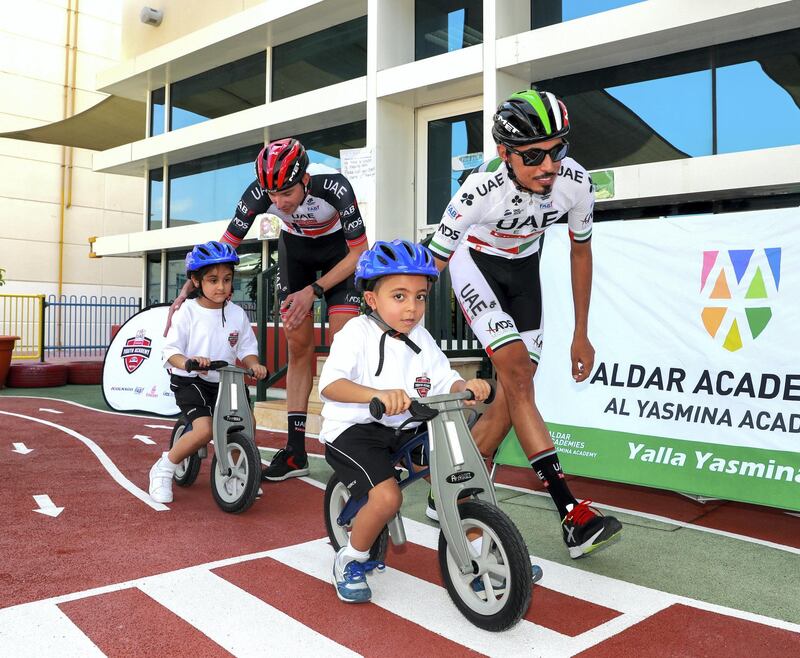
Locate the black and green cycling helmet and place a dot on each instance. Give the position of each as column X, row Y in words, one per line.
column 530, row 116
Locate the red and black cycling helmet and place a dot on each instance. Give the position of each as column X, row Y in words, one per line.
column 281, row 164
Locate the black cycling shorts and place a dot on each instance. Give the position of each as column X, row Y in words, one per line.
column 301, row 258
column 194, row 396
column 360, row 456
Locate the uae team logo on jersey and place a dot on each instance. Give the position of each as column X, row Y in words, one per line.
column 422, row 385
column 135, row 351
column 233, row 338
column 738, row 287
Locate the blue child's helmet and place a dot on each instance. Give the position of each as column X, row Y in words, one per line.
column 395, row 257
column 210, row 253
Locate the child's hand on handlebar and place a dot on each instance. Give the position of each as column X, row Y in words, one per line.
column 259, row 371
column 202, row 362
column 395, row 400
column 480, row 388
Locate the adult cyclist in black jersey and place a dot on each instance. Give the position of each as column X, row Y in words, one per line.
column 321, row 231
column 491, row 236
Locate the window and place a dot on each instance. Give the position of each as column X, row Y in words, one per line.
column 549, row 12
column 207, row 189
column 323, row 146
column 441, row 26
column 324, row 58
column 153, row 285
column 224, row 90
column 157, row 111
column 732, row 97
column 455, row 146
column 155, row 199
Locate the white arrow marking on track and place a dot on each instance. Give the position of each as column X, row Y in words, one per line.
column 160, row 427
column 50, row 411
column 47, row 506
column 144, row 439
column 21, row 449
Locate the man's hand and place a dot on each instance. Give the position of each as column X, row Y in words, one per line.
column 296, row 307
column 182, row 295
column 395, row 400
column 582, row 354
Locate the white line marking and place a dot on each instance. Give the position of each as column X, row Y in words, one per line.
column 46, row 506
column 40, row 629
column 102, row 457
column 50, row 411
column 21, row 449
column 144, row 439
column 235, row 619
column 160, row 427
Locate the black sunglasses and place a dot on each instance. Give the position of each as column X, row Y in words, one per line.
column 535, row 157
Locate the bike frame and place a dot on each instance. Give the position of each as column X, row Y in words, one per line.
column 232, row 412
column 456, row 468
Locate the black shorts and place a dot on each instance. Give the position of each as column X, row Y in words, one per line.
column 299, row 260
column 516, row 285
column 194, row 396
column 360, row 456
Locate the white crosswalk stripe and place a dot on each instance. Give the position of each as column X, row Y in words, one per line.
column 235, row 619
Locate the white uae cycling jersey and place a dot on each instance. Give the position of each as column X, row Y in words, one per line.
column 491, row 215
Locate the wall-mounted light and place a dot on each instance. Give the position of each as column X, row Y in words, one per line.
column 150, row 16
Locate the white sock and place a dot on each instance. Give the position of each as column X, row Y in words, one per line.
column 166, row 463
column 349, row 553
column 477, row 544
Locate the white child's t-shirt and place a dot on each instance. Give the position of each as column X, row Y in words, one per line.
column 199, row 331
column 355, row 356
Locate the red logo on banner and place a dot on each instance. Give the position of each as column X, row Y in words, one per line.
column 135, row 351
column 422, row 385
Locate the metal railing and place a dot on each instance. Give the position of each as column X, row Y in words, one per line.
column 443, row 320
column 81, row 325
column 23, row 316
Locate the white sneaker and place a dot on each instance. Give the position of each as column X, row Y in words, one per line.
column 161, row 480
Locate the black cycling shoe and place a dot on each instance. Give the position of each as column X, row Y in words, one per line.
column 285, row 464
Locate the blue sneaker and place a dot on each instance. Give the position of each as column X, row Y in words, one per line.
column 351, row 579
column 500, row 585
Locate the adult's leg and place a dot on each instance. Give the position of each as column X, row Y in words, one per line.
column 301, row 357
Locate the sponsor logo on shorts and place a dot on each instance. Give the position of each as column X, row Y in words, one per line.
column 471, row 301
column 136, row 351
column 500, row 325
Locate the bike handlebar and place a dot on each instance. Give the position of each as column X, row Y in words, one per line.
column 419, row 406
column 193, row 365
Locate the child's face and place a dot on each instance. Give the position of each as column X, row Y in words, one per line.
column 216, row 286
column 400, row 300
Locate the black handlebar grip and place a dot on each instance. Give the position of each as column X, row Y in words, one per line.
column 190, row 365
column 377, row 408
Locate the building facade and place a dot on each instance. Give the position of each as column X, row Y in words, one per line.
column 677, row 107
column 51, row 199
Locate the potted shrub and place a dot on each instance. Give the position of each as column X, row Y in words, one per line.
column 6, row 345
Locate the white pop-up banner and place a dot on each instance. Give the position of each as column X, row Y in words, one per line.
column 696, row 383
column 134, row 378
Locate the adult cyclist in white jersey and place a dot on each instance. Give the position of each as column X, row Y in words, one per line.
column 491, row 235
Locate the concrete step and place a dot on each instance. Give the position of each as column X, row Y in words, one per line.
column 272, row 415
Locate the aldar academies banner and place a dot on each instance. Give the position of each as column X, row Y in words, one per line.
column 696, row 384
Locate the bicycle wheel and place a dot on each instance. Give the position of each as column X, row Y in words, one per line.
column 336, row 497
column 187, row 470
column 498, row 593
column 236, row 492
